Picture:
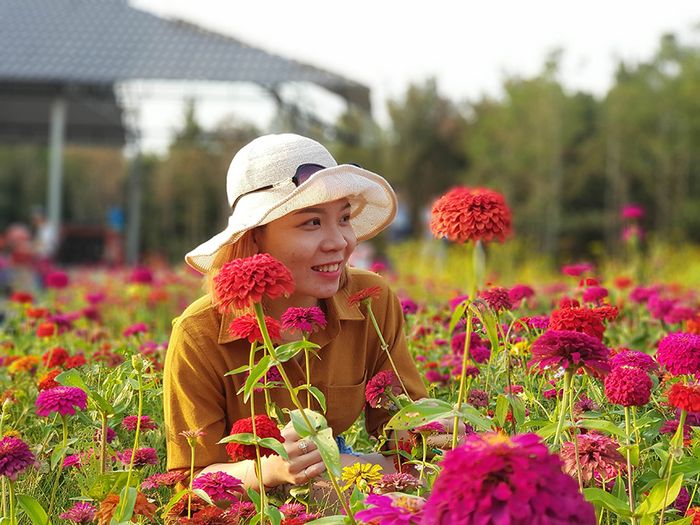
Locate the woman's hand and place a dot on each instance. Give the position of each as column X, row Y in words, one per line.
column 303, row 465
column 443, row 440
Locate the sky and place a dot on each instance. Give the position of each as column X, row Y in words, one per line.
column 468, row 46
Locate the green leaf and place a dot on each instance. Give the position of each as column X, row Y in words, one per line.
column 329, row 520
column 200, row 493
column 57, row 455
column 33, row 509
column 419, row 413
column 72, row 377
column 328, row 449
column 237, row 370
column 274, row 514
column 319, row 397
column 654, row 502
column 490, row 321
column 548, row 431
column 125, row 507
column 457, row 315
column 4, row 521
column 601, row 498
column 518, row 408
column 258, row 371
column 501, row 409
column 244, row 438
column 287, row 351
column 473, row 416
column 683, row 521
column 601, row 424
column 254, row 496
column 317, row 421
column 634, row 453
column 275, row 445
column 173, row 501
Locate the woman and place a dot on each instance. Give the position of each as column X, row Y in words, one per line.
column 289, row 198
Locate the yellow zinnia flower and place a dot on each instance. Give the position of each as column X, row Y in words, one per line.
column 362, row 476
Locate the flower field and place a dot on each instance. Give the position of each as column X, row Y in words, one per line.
column 578, row 394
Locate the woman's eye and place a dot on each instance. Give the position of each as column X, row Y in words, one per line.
column 313, row 222
column 345, row 219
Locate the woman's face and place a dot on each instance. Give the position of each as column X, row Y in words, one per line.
column 315, row 244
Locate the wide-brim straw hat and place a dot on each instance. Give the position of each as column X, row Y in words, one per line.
column 260, row 189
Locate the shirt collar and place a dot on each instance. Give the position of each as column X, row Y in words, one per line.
column 337, row 309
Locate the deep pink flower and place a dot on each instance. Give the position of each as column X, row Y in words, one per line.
column 134, row 329
column 408, row 306
column 111, row 434
column 81, row 513
column 129, row 423
column 378, row 389
column 140, row 275
column 62, row 399
column 628, row 386
column 242, row 282
column 496, row 479
column 636, row 359
column 680, row 313
column 164, row 479
column 143, row 456
column 519, row 292
column 577, row 269
column 305, row 320
column 392, row 509
column 598, row 457
column 219, row 486
column 679, row 352
column 478, row 398
column 497, row 298
column 569, row 350
column 72, row 460
column 537, row 322
column 632, row 211
column 641, row 294
column 15, row 457
column 56, row 279
column 246, row 327
column 594, row 294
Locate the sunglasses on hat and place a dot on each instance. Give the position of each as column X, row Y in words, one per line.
column 301, row 175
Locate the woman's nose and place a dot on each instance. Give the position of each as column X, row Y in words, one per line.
column 335, row 239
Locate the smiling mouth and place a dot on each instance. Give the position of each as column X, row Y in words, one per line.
column 327, row 268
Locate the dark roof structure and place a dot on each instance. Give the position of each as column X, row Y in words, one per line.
column 81, row 48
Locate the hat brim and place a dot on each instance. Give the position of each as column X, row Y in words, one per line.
column 372, row 200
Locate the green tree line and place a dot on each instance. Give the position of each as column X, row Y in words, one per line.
column 567, row 162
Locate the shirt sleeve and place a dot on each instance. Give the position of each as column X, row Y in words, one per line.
column 192, row 399
column 390, row 319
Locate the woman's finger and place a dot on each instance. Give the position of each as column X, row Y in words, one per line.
column 310, row 472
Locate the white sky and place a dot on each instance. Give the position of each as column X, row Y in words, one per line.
column 469, row 46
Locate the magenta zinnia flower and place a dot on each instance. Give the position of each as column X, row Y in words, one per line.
column 635, row 359
column 397, row 482
column 143, row 456
column 305, row 320
column 628, row 386
column 497, row 298
column 598, row 456
column 129, row 423
column 62, row 399
column 377, row 387
column 392, row 509
column 679, row 352
column 15, row 457
column 219, row 486
column 163, row 479
column 496, row 479
column 81, row 513
column 568, row 349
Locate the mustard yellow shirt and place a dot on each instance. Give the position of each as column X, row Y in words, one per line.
column 197, row 394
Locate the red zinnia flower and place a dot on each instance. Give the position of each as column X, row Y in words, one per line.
column 264, row 428
column 165, row 479
column 142, row 457
column 685, row 397
column 22, row 298
column 54, row 357
column 48, row 380
column 15, row 457
column 365, row 294
column 62, row 399
column 246, row 327
column 74, row 361
column 376, row 389
column 242, row 282
column 628, row 386
column 129, row 423
column 568, row 349
column 598, row 458
column 476, row 214
column 578, row 319
column 497, row 298
column 46, row 330
column 306, row 320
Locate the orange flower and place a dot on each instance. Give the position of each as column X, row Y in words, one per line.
column 470, row 214
column 46, row 330
column 48, row 380
column 24, row 364
column 366, row 293
column 692, row 326
column 143, row 507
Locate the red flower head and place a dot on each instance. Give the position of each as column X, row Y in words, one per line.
column 48, row 380
column 685, row 397
column 54, row 357
column 264, row 428
column 129, row 423
column 74, row 361
column 470, row 214
column 56, row 279
column 376, row 390
column 578, row 319
column 497, row 298
column 46, row 330
column 364, row 295
column 598, row 457
column 164, row 479
column 628, row 386
column 242, row 282
column 143, row 456
column 568, row 350
column 306, row 320
column 246, row 327
column 22, row 298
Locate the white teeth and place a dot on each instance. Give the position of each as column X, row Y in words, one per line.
column 327, row 268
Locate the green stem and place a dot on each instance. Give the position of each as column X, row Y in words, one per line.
column 676, row 442
column 628, row 455
column 461, row 394
column 260, row 316
column 258, row 462
column 425, row 457
column 139, row 411
column 189, row 494
column 13, row 520
column 385, row 348
column 568, row 376
column 103, row 442
column 308, row 374
column 574, row 435
column 59, row 465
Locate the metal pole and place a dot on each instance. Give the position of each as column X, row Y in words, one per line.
column 56, row 141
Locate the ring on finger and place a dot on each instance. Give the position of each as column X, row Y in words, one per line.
column 303, row 447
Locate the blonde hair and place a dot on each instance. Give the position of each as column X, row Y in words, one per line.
column 244, row 247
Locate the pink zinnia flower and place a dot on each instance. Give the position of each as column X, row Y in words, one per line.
column 569, row 350
column 498, row 479
column 246, row 327
column 632, row 211
column 376, row 391
column 628, row 386
column 408, row 306
column 679, row 352
column 594, row 294
column 140, row 275
column 56, row 279
column 15, row 457
column 497, row 298
column 519, row 292
column 392, row 509
column 306, row 320
column 219, row 486
column 242, row 282
column 129, row 423
column 134, row 329
column 634, row 358
column 577, row 269
column 81, row 513
column 143, row 456
column 62, row 399
column 164, row 479
column 598, row 457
